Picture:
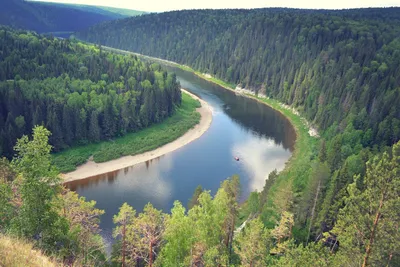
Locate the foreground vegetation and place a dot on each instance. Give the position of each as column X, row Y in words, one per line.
column 36, row 208
column 18, row 253
column 184, row 118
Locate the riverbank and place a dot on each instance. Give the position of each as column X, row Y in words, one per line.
column 91, row 168
column 295, row 177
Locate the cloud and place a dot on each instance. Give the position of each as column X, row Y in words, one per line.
column 259, row 157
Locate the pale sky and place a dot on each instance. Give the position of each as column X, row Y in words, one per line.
column 167, row 5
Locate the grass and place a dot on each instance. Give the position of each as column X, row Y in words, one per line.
column 211, row 79
column 295, row 175
column 18, row 253
column 184, row 118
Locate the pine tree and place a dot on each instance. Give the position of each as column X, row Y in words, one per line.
column 368, row 226
column 124, row 218
column 252, row 244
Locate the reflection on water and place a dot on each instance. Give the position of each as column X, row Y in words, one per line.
column 262, row 138
column 252, row 154
column 110, row 177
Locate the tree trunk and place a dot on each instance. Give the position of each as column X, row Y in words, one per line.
column 372, row 236
column 151, row 254
column 313, row 210
column 123, row 245
column 390, row 258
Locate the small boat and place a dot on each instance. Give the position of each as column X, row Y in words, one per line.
column 237, row 158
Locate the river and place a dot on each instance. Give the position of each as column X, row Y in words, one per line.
column 262, row 138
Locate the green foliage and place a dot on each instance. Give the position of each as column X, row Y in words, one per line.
column 37, row 217
column 367, row 227
column 253, row 243
column 6, row 209
column 85, row 245
column 253, row 203
column 79, row 92
column 195, row 198
column 311, row 255
column 184, row 118
column 6, row 194
column 34, row 207
column 178, row 237
column 141, row 235
column 123, row 219
column 282, row 233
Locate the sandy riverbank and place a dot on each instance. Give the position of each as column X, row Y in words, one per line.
column 92, row 168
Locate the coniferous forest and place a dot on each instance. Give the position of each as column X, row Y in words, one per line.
column 80, row 93
column 336, row 203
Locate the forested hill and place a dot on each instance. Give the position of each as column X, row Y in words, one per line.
column 341, row 70
column 52, row 17
column 327, row 63
column 80, row 93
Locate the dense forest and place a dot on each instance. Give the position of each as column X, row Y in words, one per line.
column 329, row 64
column 80, row 93
column 54, row 17
column 339, row 69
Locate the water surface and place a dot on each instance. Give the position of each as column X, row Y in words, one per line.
column 261, row 137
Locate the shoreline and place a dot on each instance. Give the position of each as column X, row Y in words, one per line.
column 91, row 168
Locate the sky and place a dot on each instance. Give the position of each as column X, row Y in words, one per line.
column 167, row 5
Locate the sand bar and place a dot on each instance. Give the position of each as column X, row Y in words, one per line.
column 91, row 168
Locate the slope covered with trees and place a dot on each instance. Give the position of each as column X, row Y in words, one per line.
column 52, row 17
column 108, row 11
column 340, row 69
column 329, row 64
column 80, row 93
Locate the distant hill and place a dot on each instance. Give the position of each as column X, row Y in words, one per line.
column 51, row 17
column 121, row 11
column 103, row 10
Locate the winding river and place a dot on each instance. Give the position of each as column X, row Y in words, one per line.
column 262, row 138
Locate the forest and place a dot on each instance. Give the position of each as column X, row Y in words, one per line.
column 331, row 65
column 80, row 93
column 337, row 204
column 339, row 69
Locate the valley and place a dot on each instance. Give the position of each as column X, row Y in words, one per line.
column 199, row 137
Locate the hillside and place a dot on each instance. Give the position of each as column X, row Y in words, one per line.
column 339, row 69
column 80, row 93
column 15, row 253
column 326, row 63
column 108, row 11
column 49, row 17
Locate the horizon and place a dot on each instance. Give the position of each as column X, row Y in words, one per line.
column 175, row 5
